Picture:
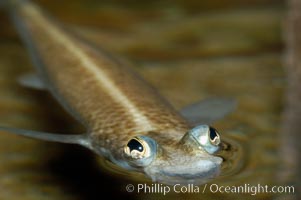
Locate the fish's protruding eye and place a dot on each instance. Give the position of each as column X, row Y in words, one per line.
column 137, row 148
column 140, row 151
column 214, row 136
column 207, row 138
column 135, row 145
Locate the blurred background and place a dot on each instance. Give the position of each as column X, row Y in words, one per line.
column 189, row 50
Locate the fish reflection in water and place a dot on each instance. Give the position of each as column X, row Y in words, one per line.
column 127, row 121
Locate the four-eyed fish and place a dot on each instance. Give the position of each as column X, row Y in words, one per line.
column 127, row 121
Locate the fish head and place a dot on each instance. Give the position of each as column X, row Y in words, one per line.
column 190, row 160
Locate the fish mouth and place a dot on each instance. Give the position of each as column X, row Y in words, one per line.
column 198, row 172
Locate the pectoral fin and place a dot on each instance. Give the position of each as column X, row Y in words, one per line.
column 81, row 139
column 209, row 110
column 32, row 81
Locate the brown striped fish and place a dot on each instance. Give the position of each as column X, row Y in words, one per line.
column 127, row 121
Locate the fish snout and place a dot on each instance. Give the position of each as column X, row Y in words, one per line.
column 184, row 171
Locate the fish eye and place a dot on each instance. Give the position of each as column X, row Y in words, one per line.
column 140, row 151
column 214, row 136
column 137, row 148
column 134, row 144
column 206, row 137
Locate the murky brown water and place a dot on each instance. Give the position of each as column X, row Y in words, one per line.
column 189, row 51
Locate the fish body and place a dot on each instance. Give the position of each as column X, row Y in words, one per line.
column 109, row 98
column 126, row 119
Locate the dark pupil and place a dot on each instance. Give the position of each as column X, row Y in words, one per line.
column 212, row 134
column 135, row 145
